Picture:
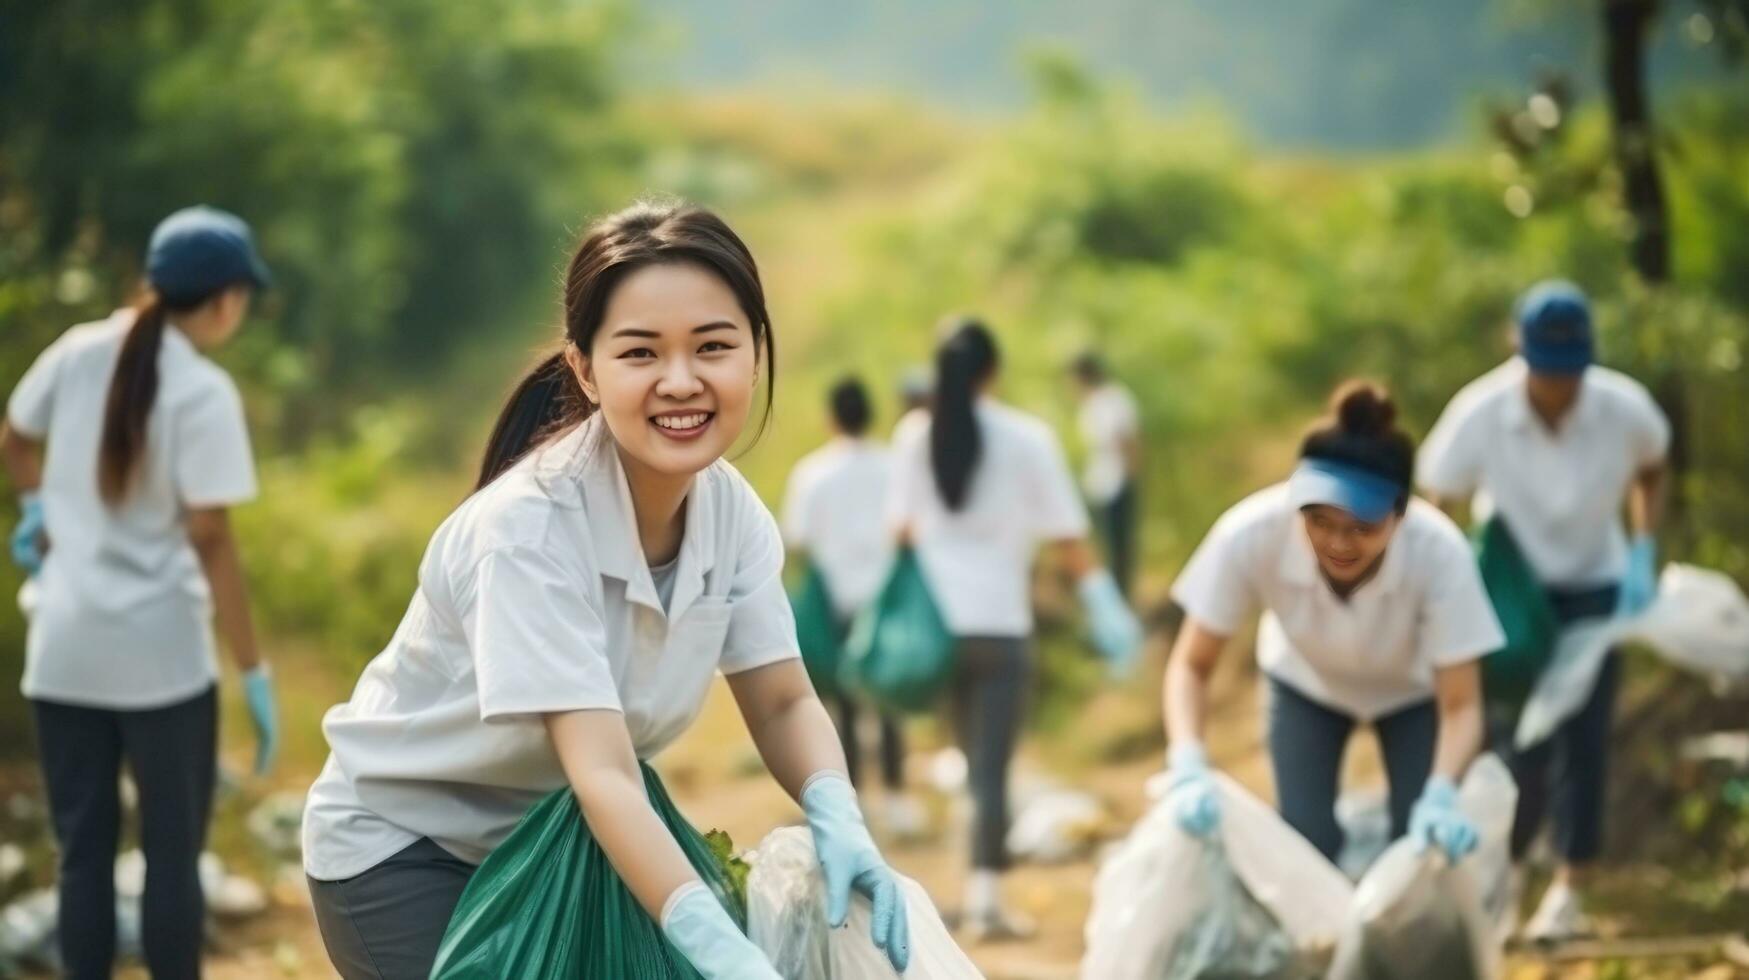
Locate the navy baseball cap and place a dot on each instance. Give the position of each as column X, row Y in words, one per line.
column 1554, row 328
column 1365, row 494
column 198, row 251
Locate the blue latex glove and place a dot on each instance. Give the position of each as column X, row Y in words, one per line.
column 1196, row 800
column 1116, row 633
column 699, row 927
column 849, row 859
column 1639, row 586
column 27, row 537
column 1436, row 820
column 258, row 693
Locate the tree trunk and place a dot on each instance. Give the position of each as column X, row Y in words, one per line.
column 1626, row 24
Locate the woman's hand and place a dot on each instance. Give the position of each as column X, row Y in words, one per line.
column 850, row 861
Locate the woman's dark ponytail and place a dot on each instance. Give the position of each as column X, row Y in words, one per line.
column 545, row 402
column 132, row 389
column 965, row 360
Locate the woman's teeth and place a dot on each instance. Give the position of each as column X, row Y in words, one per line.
column 682, row 421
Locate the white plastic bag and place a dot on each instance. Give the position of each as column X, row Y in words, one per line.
column 1699, row 622
column 1057, row 826
column 1258, row 902
column 1417, row 915
column 786, row 917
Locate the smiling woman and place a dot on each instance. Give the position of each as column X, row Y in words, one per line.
column 569, row 619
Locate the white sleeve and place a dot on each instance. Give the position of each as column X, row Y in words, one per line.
column 1057, row 511
column 1448, row 465
column 1648, row 428
column 211, row 460
column 31, row 407
column 796, row 504
column 537, row 642
column 1457, row 622
column 762, row 626
column 909, row 481
column 1128, row 418
column 1215, row 588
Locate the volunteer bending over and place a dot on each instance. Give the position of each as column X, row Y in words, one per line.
column 570, row 616
column 1558, row 447
column 977, row 486
column 128, row 447
column 1374, row 613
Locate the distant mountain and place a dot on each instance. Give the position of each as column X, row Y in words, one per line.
column 1355, row 74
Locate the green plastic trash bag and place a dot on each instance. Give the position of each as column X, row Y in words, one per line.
column 900, row 652
column 548, row 904
column 817, row 631
column 1509, row 674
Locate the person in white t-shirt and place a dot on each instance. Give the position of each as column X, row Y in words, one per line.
column 129, row 447
column 1374, row 613
column 833, row 513
column 1111, row 432
column 977, row 487
column 569, row 619
column 1557, row 447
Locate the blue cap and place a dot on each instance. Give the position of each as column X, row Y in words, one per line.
column 1367, row 495
column 200, row 250
column 1554, row 328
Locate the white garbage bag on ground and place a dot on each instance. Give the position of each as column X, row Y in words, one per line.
column 1056, row 826
column 1415, row 914
column 786, row 917
column 1699, row 622
column 1257, row 901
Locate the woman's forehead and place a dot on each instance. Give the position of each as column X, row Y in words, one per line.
column 670, row 298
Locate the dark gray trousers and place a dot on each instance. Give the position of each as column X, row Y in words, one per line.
column 386, row 923
column 1306, row 744
column 1116, row 522
column 172, row 754
column 991, row 680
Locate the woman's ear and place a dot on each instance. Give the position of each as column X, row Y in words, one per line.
column 578, row 362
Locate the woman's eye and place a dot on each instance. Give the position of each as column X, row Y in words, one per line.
column 638, row 352
column 713, row 346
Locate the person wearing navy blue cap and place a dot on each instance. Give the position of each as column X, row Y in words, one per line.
column 128, row 447
column 1553, row 445
column 1374, row 612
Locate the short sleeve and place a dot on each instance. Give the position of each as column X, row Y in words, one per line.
column 1126, row 417
column 1448, row 465
column 1056, row 508
column 30, row 410
column 537, row 643
column 212, row 463
column 796, row 504
column 762, row 626
column 1648, row 428
column 1215, row 588
column 1457, row 622
column 909, row 482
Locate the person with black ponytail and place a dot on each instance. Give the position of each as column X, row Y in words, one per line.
column 1374, row 612
column 570, row 617
column 128, row 447
column 977, row 487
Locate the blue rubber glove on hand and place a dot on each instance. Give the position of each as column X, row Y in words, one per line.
column 1196, row 800
column 849, row 859
column 27, row 537
column 1436, row 820
column 1639, row 585
column 264, row 712
column 699, row 927
column 1116, row 633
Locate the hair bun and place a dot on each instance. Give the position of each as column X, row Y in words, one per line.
column 1364, row 408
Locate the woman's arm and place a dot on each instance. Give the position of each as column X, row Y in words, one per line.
column 1194, row 654
column 1458, row 692
column 602, row 768
column 209, row 531
column 788, row 723
column 22, row 457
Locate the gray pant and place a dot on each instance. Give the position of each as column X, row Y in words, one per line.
column 1306, row 744
column 991, row 679
column 1116, row 521
column 386, row 923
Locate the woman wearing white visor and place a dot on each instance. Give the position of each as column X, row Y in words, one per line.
column 1374, row 613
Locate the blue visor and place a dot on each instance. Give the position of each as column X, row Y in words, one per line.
column 1367, row 496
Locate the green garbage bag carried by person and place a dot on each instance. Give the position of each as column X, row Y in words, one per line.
column 900, row 652
column 1523, row 608
column 548, row 903
column 817, row 632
